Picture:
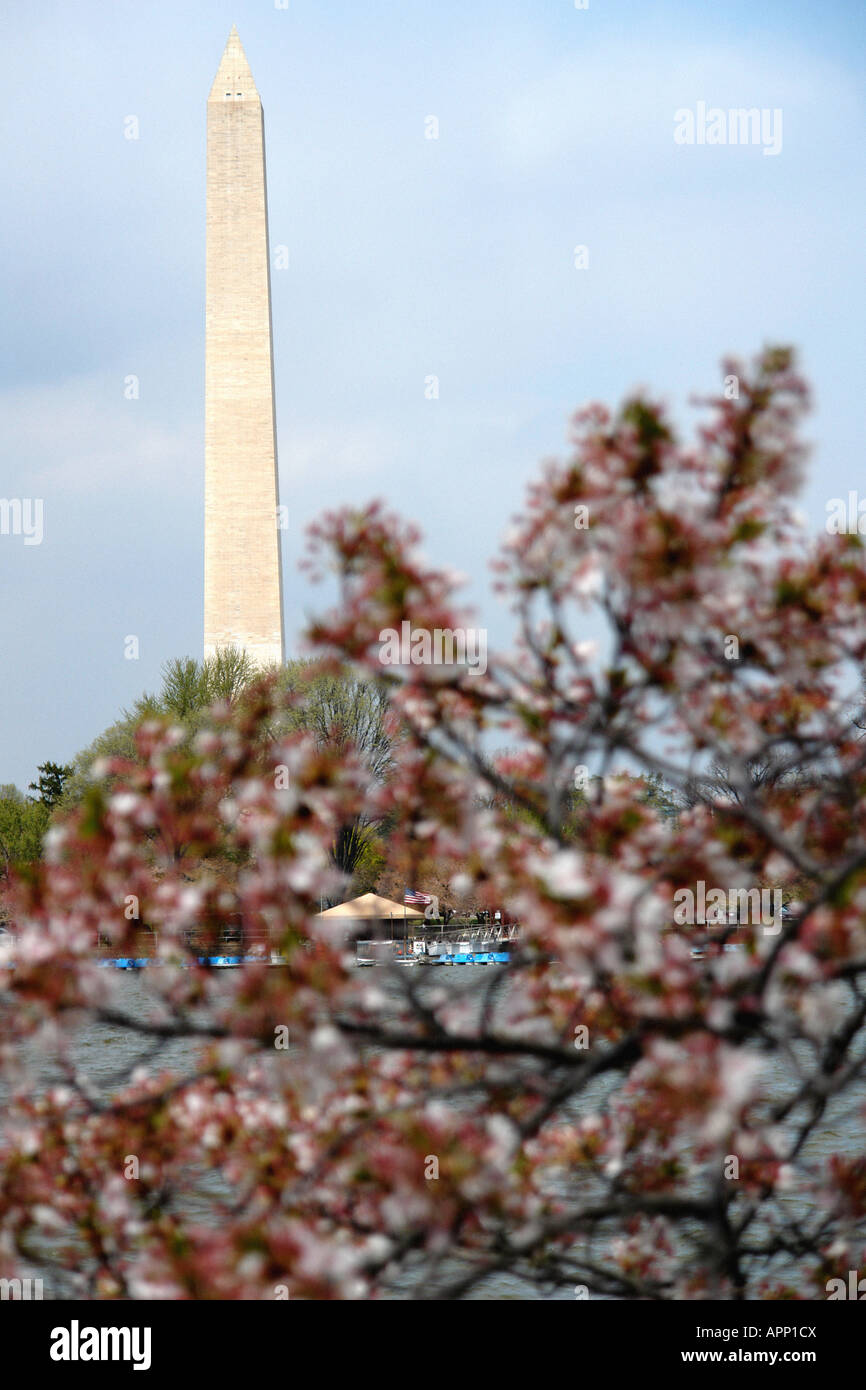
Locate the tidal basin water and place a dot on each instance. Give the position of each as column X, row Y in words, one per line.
column 105, row 1054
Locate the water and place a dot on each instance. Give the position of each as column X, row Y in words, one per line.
column 104, row 1054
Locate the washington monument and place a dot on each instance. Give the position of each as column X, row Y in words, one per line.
column 243, row 593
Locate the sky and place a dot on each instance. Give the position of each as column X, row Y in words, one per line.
column 409, row 257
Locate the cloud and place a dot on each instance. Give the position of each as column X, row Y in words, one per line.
column 80, row 435
column 617, row 120
column 357, row 449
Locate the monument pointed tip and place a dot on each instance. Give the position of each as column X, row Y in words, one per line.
column 233, row 75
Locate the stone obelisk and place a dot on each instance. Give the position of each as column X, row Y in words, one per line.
column 243, row 593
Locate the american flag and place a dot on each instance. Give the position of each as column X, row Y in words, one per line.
column 412, row 898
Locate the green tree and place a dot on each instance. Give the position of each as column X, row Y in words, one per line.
column 189, row 689
column 52, row 777
column 657, row 793
column 184, row 684
column 340, row 710
column 117, row 741
column 346, row 713
column 22, row 825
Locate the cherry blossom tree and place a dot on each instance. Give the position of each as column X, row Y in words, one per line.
column 613, row 1111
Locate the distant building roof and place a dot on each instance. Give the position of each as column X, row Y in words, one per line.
column 370, row 905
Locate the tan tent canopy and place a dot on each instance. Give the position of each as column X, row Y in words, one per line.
column 371, row 906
